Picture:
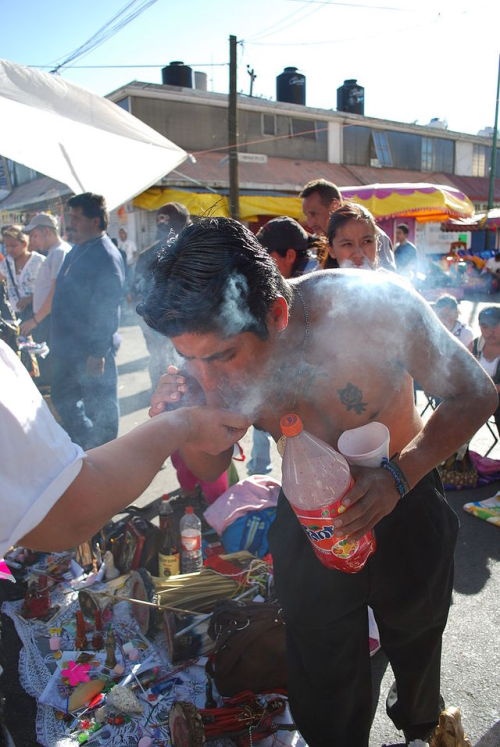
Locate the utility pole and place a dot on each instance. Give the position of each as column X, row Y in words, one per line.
column 232, row 132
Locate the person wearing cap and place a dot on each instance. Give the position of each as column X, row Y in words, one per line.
column 289, row 245
column 319, row 199
column 44, row 236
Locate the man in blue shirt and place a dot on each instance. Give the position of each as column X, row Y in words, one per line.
column 85, row 317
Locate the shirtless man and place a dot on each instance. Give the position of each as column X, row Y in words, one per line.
column 340, row 348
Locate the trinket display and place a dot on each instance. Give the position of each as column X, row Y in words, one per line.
column 107, row 657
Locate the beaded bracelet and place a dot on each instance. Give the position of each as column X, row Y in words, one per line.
column 398, row 476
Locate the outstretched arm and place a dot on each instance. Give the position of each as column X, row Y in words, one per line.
column 115, row 474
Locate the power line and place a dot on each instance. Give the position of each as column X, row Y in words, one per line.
column 272, row 28
column 103, row 67
column 360, row 5
column 267, row 139
column 108, row 30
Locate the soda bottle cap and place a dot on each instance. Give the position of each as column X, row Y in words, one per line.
column 189, row 510
column 165, row 497
column 291, row 425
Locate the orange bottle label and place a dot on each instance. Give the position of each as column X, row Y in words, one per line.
column 341, row 553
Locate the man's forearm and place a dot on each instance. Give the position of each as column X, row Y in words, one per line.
column 452, row 424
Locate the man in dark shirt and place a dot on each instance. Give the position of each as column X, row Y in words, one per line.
column 405, row 253
column 85, row 317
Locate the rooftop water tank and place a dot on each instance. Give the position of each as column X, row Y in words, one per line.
column 351, row 97
column 291, row 86
column 177, row 74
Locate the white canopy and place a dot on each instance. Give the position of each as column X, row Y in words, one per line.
column 79, row 138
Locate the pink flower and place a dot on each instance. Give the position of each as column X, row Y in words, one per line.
column 76, row 673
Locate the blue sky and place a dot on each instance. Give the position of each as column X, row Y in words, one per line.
column 416, row 60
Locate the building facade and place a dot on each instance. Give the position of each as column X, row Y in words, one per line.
column 281, row 147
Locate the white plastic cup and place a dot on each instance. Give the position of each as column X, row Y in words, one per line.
column 365, row 446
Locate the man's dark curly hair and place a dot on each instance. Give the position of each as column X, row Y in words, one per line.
column 215, row 277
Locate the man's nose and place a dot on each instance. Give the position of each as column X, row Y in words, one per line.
column 206, row 376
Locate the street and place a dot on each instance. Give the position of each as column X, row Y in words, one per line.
column 471, row 662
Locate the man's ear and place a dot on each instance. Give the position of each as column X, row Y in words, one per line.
column 291, row 255
column 277, row 317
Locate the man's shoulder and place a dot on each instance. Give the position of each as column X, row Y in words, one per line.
column 354, row 290
column 59, row 250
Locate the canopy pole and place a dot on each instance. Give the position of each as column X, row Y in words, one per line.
column 493, row 162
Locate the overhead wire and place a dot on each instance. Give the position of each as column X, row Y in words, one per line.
column 107, row 30
column 99, row 67
column 272, row 28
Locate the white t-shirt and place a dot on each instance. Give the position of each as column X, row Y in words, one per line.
column 128, row 246
column 21, row 284
column 464, row 333
column 37, row 457
column 489, row 366
column 48, row 273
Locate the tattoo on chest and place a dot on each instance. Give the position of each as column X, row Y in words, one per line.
column 352, row 398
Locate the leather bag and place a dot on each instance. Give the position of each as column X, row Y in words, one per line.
column 250, row 647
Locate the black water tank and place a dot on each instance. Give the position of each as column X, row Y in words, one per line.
column 291, row 86
column 177, row 74
column 351, row 97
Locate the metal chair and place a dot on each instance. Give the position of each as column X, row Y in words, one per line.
column 491, row 426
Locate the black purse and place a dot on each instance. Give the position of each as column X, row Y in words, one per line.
column 133, row 541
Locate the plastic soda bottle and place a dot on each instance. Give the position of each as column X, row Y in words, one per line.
column 191, row 556
column 315, row 479
column 168, row 555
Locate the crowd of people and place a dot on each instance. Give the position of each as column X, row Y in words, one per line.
column 318, row 323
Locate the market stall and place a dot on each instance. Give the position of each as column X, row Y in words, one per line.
column 116, row 655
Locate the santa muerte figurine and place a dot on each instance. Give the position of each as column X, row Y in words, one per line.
column 110, row 650
column 97, row 638
column 81, row 638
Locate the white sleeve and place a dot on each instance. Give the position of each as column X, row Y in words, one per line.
column 38, row 459
column 466, row 336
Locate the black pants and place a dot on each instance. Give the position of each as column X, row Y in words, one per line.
column 407, row 582
column 87, row 405
column 41, row 333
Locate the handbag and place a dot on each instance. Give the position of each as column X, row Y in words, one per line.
column 458, row 471
column 134, row 542
column 250, row 647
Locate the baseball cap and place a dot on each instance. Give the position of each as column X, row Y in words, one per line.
column 282, row 233
column 42, row 219
column 490, row 316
